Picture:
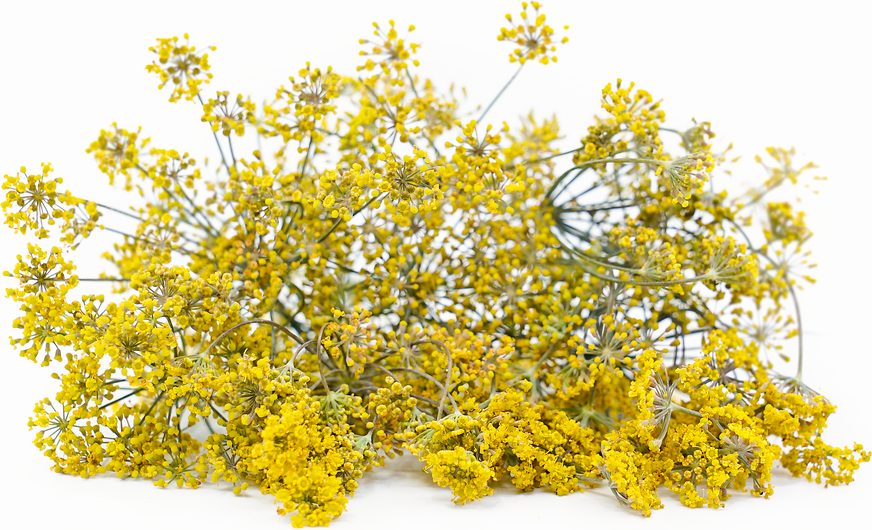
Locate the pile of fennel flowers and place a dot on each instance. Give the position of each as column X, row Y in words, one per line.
column 389, row 274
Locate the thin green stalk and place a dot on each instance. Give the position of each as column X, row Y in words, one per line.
column 646, row 284
column 798, row 327
column 151, row 408
column 221, row 151
column 217, row 413
column 591, row 163
column 116, row 210
column 137, row 391
column 318, row 359
column 248, row 322
column 192, row 214
column 418, row 373
column 679, row 408
column 792, row 295
column 125, row 234
column 450, row 369
column 415, row 90
column 232, row 156
column 500, row 93
column 197, row 209
column 91, row 280
column 285, row 221
column 340, row 220
column 180, row 334
column 272, row 347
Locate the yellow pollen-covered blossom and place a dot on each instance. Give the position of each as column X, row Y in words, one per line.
column 386, row 273
column 535, row 39
column 182, row 66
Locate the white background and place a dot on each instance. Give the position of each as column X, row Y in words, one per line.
column 764, row 73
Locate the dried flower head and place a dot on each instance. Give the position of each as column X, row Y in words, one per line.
column 384, row 275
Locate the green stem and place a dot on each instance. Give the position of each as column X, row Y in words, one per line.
column 211, row 406
column 646, row 284
column 340, row 220
column 789, row 288
column 679, row 408
column 92, row 280
column 272, row 347
column 181, row 335
column 415, row 90
column 318, row 360
column 285, row 221
column 208, row 226
column 151, row 408
column 221, row 151
column 246, row 323
column 192, row 214
column 418, row 373
column 232, row 156
column 116, row 210
column 447, row 377
column 591, row 163
column 500, row 93
column 798, row 326
column 552, row 156
column 137, row 391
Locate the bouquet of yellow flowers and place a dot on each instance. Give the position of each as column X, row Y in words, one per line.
column 387, row 274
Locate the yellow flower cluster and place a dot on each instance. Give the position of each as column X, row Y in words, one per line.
column 182, row 66
column 534, row 38
column 117, row 152
column 33, row 202
column 299, row 460
column 297, row 112
column 461, row 471
column 390, row 52
column 227, row 115
column 382, row 275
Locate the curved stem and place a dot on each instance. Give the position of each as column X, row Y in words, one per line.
column 419, row 373
column 798, row 326
column 318, row 358
column 792, row 295
column 592, row 480
column 447, row 377
column 595, row 261
column 383, row 369
column 300, row 350
column 646, row 283
column 591, row 163
column 246, row 323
